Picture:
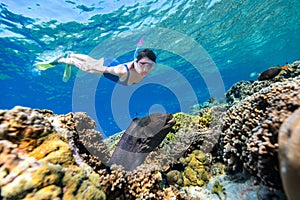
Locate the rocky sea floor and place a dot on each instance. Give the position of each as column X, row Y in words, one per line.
column 242, row 147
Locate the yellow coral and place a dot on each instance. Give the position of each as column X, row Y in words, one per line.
column 201, row 157
column 54, row 150
column 194, row 162
column 189, row 177
column 170, row 137
column 48, row 192
column 79, row 186
column 190, row 121
column 200, row 182
column 196, row 169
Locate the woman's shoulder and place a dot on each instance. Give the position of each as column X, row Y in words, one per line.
column 124, row 64
column 124, row 67
column 130, row 64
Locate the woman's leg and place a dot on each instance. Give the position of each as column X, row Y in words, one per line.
column 84, row 62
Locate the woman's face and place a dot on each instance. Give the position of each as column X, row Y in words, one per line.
column 144, row 66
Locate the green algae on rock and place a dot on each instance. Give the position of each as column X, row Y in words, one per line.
column 218, row 189
column 191, row 121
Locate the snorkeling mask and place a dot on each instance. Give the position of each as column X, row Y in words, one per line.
column 144, row 66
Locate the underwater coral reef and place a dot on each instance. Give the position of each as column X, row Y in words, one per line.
column 241, row 148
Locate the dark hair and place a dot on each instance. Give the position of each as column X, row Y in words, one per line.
column 146, row 53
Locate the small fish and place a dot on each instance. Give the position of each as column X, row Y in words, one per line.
column 253, row 74
column 211, row 100
column 271, row 72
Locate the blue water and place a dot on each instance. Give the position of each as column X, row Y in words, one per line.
column 203, row 47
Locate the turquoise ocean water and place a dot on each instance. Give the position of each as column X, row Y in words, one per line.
column 203, row 48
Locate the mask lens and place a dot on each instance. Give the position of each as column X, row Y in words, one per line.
column 144, row 66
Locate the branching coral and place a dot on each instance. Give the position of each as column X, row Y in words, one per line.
column 142, row 183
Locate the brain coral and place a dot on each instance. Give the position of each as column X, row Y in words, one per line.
column 250, row 131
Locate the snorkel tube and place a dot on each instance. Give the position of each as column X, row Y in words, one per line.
column 138, row 46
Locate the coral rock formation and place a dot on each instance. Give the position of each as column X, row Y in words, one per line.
column 141, row 137
column 250, row 131
column 289, row 155
column 142, row 183
column 191, row 132
column 43, row 156
column 244, row 89
column 36, row 162
column 49, row 156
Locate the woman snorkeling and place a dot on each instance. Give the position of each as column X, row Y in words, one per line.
column 126, row 73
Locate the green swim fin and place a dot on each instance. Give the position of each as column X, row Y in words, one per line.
column 67, row 73
column 44, row 65
column 47, row 64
